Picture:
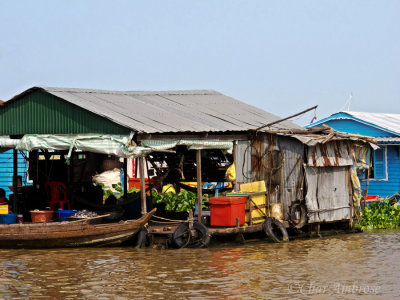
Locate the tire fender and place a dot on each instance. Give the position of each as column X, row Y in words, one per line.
column 298, row 222
column 275, row 230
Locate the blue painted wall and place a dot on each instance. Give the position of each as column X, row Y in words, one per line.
column 390, row 186
column 350, row 126
column 382, row 188
column 6, row 170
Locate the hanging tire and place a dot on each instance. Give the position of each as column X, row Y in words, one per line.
column 181, row 236
column 275, row 230
column 202, row 238
column 298, row 215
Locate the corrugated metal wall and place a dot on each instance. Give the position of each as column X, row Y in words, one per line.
column 278, row 161
column 328, row 194
column 243, row 162
column 7, row 169
column 42, row 113
column 292, row 173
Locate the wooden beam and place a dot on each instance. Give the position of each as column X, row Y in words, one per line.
column 142, row 185
column 199, row 185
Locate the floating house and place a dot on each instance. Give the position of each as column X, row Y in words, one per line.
column 185, row 136
column 384, row 176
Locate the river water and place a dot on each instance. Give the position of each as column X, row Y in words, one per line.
column 365, row 265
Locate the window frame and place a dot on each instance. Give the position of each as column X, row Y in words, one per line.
column 384, row 161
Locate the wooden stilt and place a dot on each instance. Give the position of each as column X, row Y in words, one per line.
column 125, row 183
column 350, row 198
column 199, row 185
column 142, row 185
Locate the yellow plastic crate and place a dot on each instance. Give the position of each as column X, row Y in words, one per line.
column 4, row 209
column 257, row 215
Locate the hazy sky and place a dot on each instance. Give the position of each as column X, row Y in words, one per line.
column 282, row 56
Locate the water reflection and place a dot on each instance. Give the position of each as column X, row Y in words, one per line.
column 349, row 266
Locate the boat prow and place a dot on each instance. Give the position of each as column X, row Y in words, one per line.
column 70, row 234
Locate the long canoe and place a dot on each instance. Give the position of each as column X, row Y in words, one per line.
column 69, row 234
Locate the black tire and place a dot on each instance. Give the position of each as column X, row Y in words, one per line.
column 181, row 236
column 275, row 230
column 202, row 238
column 298, row 215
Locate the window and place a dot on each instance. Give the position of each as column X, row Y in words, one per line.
column 379, row 163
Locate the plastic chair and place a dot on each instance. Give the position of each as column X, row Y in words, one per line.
column 56, row 194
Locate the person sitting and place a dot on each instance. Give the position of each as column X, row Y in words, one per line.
column 3, row 199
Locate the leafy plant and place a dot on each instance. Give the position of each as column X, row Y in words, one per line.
column 119, row 190
column 381, row 216
column 182, row 202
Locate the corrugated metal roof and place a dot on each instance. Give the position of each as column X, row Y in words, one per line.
column 388, row 121
column 388, row 140
column 168, row 111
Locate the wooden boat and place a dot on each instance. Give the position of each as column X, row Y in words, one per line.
column 69, row 234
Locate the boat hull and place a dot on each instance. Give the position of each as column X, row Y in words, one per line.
column 69, row 234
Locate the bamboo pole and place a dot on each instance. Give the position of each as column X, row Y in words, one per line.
column 142, row 185
column 284, row 119
column 199, row 186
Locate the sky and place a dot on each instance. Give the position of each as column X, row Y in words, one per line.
column 281, row 56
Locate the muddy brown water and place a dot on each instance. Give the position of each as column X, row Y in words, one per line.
column 365, row 266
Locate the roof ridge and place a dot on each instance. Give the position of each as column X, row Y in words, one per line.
column 143, row 92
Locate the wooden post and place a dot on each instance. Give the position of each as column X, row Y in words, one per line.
column 15, row 181
column 125, row 176
column 368, row 173
column 351, row 198
column 199, row 185
column 235, row 185
column 71, row 168
column 142, row 185
column 251, row 211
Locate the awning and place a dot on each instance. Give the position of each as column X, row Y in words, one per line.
column 118, row 145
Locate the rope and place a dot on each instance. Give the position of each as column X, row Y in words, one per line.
column 170, row 220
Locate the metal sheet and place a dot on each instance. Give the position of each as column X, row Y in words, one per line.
column 172, row 111
column 243, row 162
column 394, row 140
column 327, row 197
column 387, row 121
column 292, row 173
column 336, row 153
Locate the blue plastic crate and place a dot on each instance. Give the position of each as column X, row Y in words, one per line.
column 8, row 218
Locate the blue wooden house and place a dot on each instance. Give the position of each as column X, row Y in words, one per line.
column 384, row 179
column 6, row 170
